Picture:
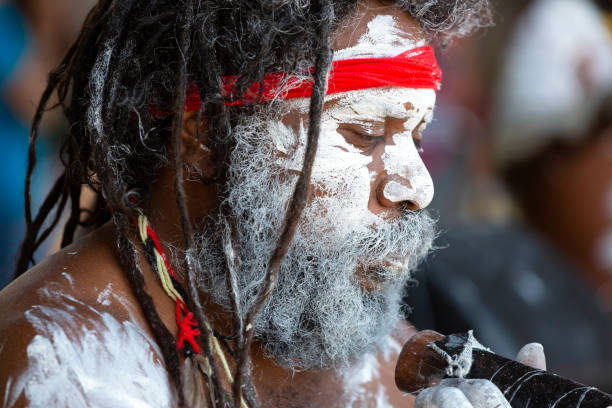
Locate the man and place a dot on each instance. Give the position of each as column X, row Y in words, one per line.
column 557, row 161
column 240, row 268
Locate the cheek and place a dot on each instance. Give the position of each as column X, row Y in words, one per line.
column 335, row 155
column 341, row 174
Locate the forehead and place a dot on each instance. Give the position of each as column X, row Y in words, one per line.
column 380, row 103
column 376, row 30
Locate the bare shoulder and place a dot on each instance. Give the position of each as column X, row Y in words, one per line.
column 71, row 334
column 372, row 383
column 82, row 276
column 81, row 270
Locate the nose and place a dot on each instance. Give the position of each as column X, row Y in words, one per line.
column 413, row 189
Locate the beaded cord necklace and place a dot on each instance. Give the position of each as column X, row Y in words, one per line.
column 184, row 317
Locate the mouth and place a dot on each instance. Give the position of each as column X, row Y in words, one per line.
column 376, row 275
column 395, row 263
column 391, row 263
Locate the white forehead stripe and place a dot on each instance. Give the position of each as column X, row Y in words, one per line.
column 383, row 38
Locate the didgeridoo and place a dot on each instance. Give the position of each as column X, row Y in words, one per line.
column 428, row 357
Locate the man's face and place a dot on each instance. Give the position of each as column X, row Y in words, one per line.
column 368, row 155
column 339, row 287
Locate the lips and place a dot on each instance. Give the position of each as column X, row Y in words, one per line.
column 395, row 263
column 391, row 263
column 377, row 274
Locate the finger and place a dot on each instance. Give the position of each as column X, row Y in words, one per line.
column 532, row 354
column 423, row 400
column 442, row 397
column 483, row 394
column 450, row 397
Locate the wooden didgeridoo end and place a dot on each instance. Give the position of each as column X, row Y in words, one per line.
column 424, row 362
column 417, row 368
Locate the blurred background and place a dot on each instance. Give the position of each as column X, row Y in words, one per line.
column 521, row 155
column 520, row 152
column 35, row 36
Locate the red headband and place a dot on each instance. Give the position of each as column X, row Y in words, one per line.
column 416, row 68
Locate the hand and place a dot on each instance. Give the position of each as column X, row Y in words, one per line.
column 464, row 393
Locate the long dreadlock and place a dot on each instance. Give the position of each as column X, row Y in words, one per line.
column 132, row 55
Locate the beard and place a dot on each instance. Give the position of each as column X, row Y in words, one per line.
column 319, row 314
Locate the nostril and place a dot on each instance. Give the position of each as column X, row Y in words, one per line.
column 409, row 205
column 396, row 191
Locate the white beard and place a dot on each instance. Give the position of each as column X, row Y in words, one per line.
column 318, row 315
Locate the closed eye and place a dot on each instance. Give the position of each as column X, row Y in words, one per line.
column 360, row 138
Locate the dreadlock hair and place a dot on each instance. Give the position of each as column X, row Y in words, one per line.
column 132, row 55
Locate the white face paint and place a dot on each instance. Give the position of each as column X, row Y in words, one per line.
column 82, row 356
column 340, row 163
column 383, row 39
column 402, row 158
column 341, row 168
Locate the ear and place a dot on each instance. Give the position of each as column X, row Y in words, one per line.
column 194, row 143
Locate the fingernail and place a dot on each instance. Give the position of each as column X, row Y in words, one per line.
column 532, row 354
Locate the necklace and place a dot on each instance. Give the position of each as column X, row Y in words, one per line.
column 188, row 330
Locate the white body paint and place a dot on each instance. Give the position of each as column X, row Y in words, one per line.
column 462, row 393
column 340, row 169
column 104, row 297
column 403, row 158
column 367, row 371
column 67, row 276
column 368, row 106
column 85, row 357
column 397, row 192
column 532, row 354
